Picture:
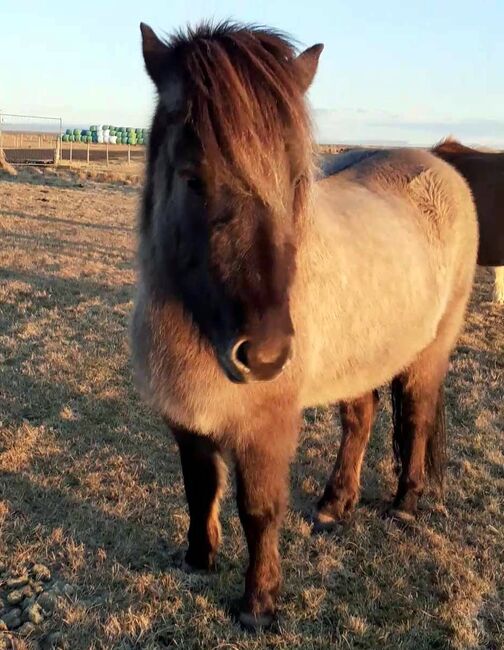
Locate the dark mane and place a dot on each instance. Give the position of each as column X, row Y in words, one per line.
column 244, row 102
column 449, row 145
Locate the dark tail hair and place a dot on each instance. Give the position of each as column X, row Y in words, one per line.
column 435, row 457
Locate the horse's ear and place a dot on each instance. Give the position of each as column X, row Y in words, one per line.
column 306, row 65
column 154, row 53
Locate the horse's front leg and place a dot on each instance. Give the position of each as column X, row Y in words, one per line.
column 203, row 470
column 262, row 492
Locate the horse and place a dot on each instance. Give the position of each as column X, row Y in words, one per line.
column 484, row 173
column 262, row 291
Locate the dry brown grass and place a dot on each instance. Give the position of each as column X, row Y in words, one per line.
column 90, row 483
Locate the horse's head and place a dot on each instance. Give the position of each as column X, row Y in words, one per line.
column 229, row 169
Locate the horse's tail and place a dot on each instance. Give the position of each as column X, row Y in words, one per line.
column 435, row 457
column 398, row 436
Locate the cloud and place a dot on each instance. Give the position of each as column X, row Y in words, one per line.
column 361, row 126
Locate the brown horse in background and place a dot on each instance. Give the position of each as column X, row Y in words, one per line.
column 262, row 292
column 484, row 173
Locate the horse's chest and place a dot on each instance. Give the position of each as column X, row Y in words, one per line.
column 178, row 375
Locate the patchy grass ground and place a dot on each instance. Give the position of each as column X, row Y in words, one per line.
column 90, row 483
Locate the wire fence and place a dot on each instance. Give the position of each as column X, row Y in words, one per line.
column 37, row 140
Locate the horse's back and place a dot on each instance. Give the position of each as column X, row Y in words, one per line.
column 443, row 205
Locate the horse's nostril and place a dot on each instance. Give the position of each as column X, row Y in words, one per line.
column 239, row 354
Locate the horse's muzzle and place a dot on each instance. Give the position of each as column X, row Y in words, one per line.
column 244, row 362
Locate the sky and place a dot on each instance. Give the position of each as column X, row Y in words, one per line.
column 391, row 72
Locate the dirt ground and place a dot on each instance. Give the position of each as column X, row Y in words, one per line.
column 90, row 484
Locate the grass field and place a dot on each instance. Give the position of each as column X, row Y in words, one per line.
column 90, row 483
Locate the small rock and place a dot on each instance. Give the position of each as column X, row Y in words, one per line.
column 28, row 602
column 26, row 629
column 47, row 601
column 41, row 572
column 12, row 618
column 37, row 587
column 15, row 597
column 3, row 626
column 33, row 614
column 68, row 590
column 54, row 641
column 14, row 583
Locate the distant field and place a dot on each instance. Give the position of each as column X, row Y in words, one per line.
column 90, row 482
column 28, row 139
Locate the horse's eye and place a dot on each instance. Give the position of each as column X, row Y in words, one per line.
column 193, row 182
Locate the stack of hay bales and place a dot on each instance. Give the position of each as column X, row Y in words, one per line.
column 107, row 134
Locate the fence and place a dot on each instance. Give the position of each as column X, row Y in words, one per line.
column 108, row 154
column 26, row 139
column 37, row 140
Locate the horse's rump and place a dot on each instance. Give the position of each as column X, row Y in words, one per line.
column 484, row 172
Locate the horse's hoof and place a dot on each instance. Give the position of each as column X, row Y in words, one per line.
column 401, row 515
column 325, row 522
column 197, row 568
column 256, row 622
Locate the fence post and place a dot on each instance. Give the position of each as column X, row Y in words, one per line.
column 87, row 154
column 107, row 154
column 57, row 152
column 129, row 154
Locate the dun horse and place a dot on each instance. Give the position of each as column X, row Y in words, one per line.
column 262, row 292
column 485, row 174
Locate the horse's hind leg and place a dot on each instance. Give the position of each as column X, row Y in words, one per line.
column 418, row 432
column 342, row 490
column 203, row 471
column 418, row 413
